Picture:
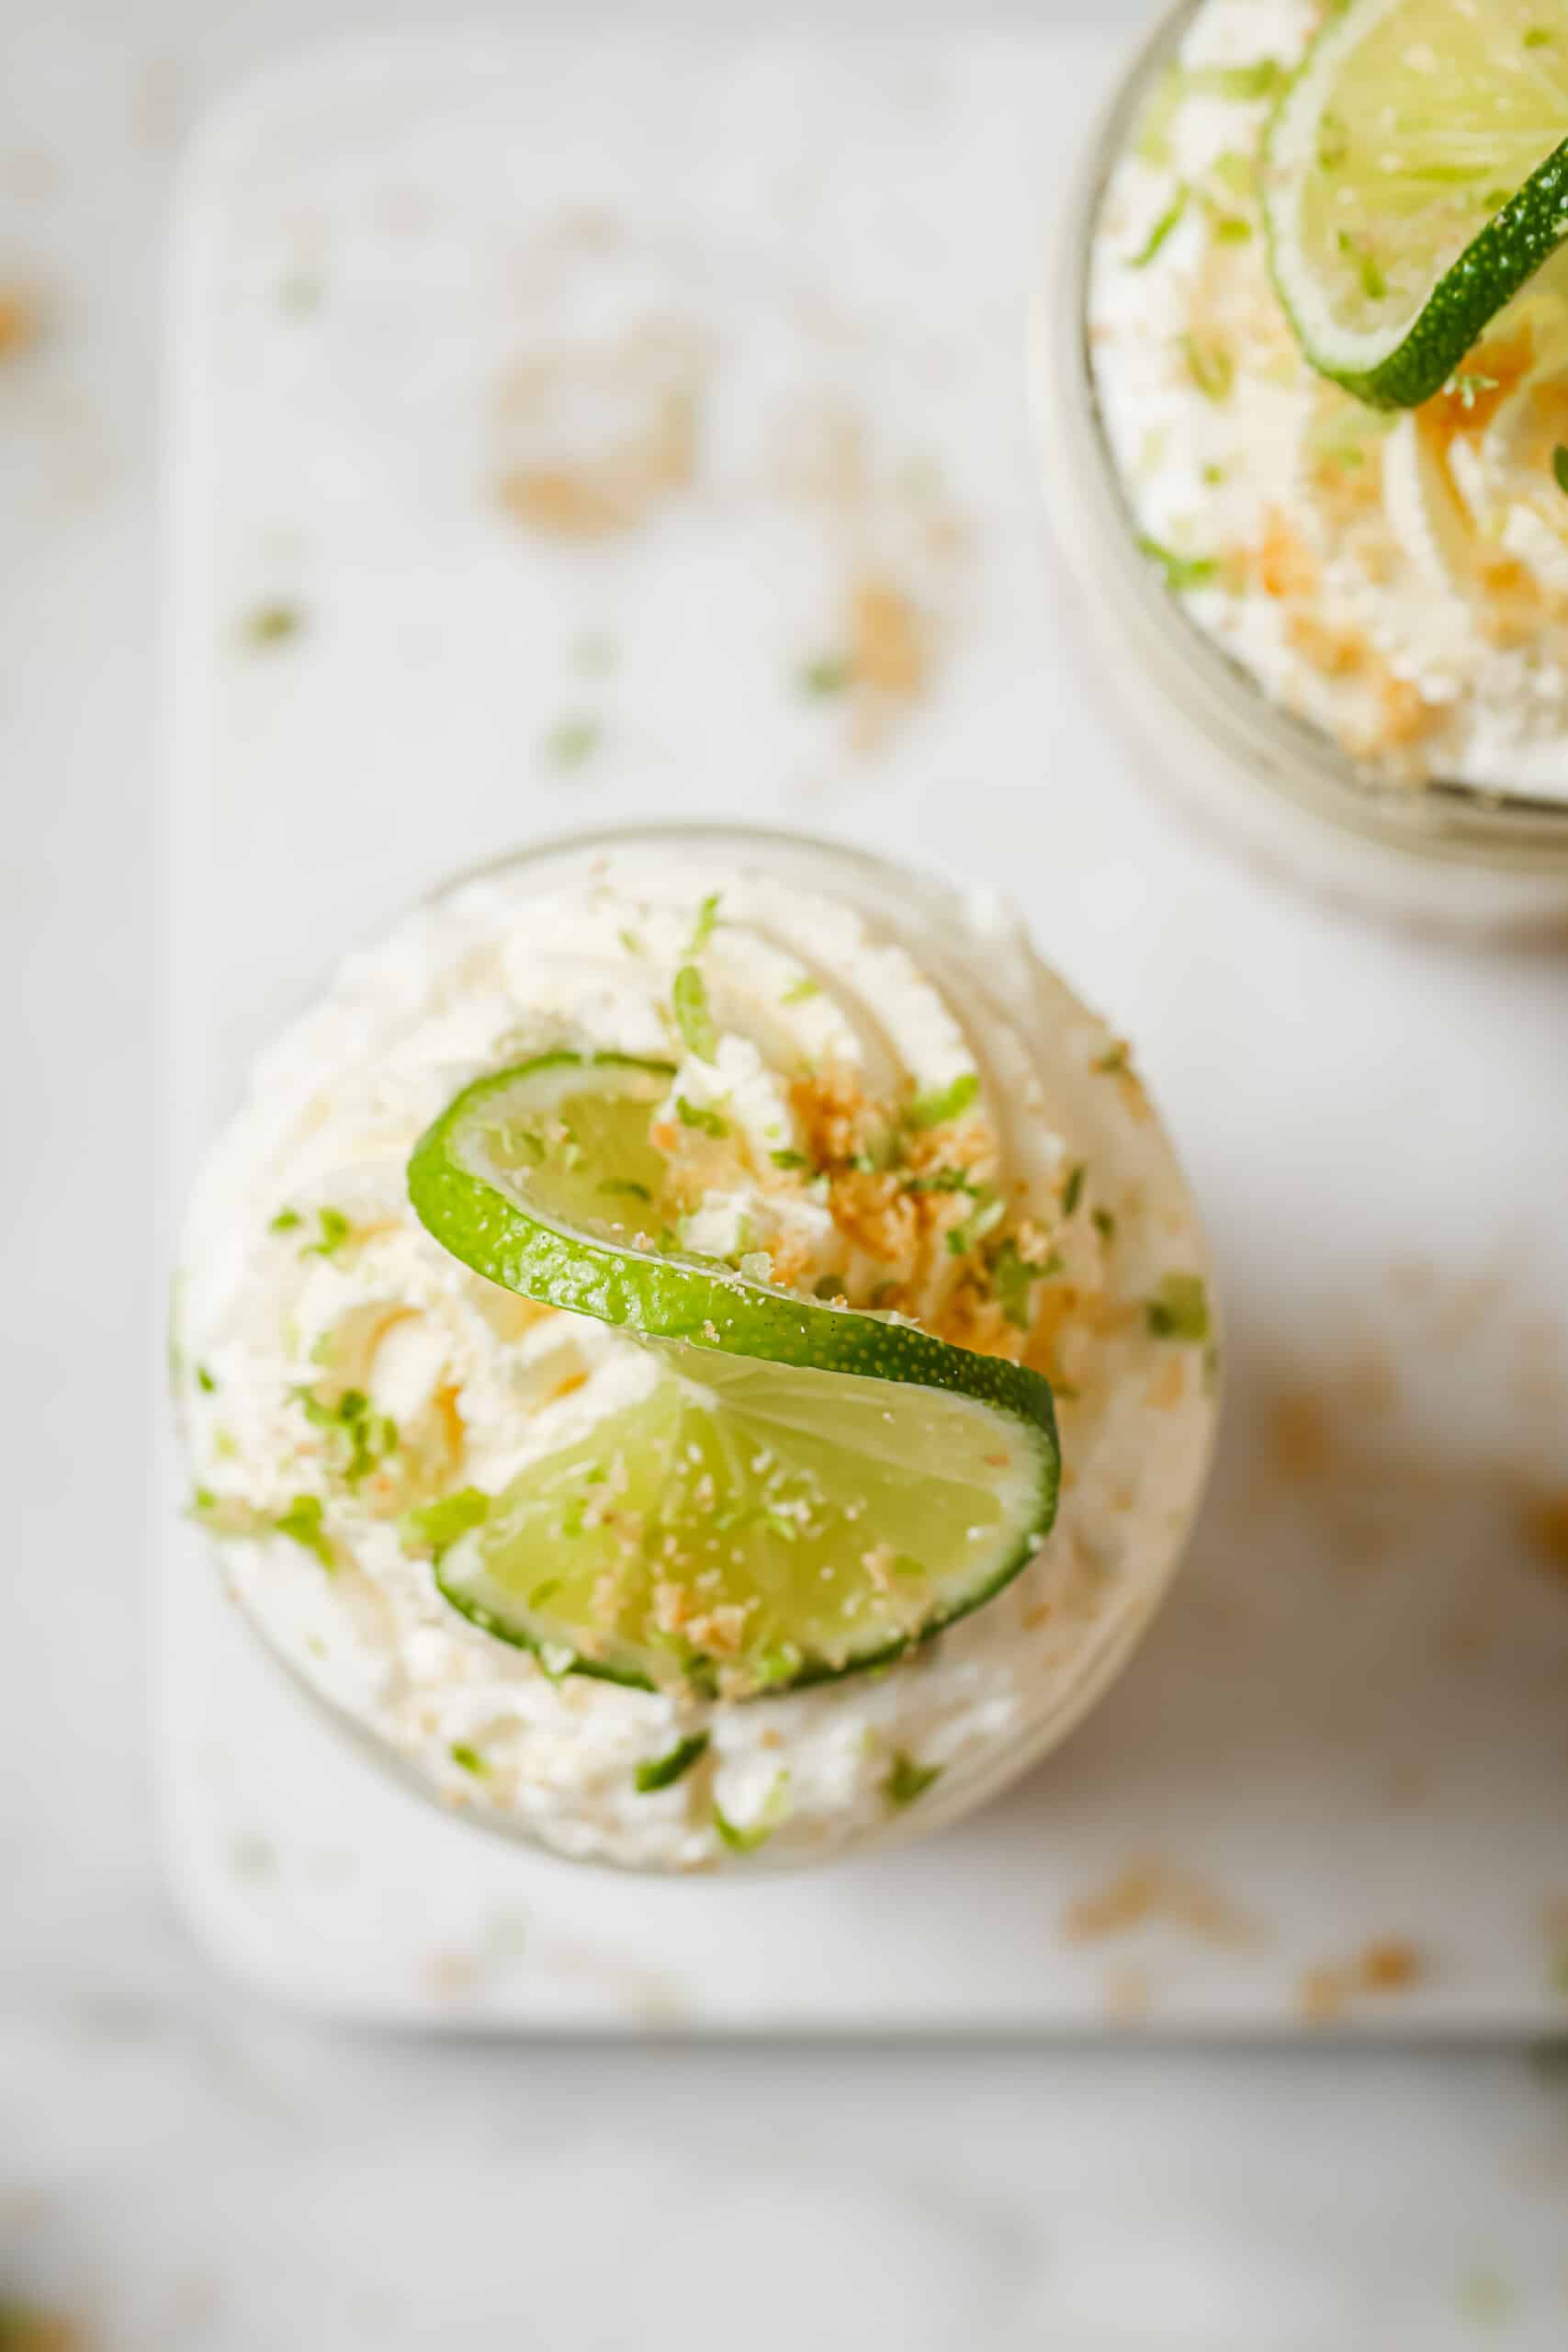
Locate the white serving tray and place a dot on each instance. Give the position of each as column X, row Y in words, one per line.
column 1351, row 1723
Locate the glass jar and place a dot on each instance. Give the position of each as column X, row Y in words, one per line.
column 1446, row 853
column 1078, row 1609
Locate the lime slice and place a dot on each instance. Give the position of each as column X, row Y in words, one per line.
column 1416, row 173
column 495, row 1179
column 795, row 1490
column 745, row 1526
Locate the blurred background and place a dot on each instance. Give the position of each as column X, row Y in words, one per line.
column 183, row 2163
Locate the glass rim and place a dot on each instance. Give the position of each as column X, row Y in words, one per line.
column 1440, row 820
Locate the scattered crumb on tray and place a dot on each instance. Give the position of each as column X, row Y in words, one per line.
column 1127, row 1997
column 594, row 439
column 20, row 321
column 1149, row 1892
column 451, row 1976
column 1388, row 1964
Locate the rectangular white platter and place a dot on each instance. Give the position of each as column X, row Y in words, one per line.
column 790, row 277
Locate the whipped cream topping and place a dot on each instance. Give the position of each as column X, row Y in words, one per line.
column 303, row 1263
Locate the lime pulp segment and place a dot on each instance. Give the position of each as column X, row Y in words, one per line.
column 1415, row 173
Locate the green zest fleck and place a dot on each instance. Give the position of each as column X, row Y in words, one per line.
column 798, row 990
column 940, row 1180
column 204, row 1380
column 1169, row 219
column 696, row 1115
column 829, row 675
column 435, row 1527
column 961, row 1238
column 571, row 741
column 271, row 624
column 332, row 1229
column 362, row 1439
column 468, row 1758
column 747, row 1840
column 284, row 1221
column 1537, row 37
column 944, row 1103
column 906, row 1780
column 663, row 1772
column 1104, row 1224
column 693, row 1018
column 702, row 930
column 1153, row 145
column 1243, row 83
column 301, row 1522
column 1210, row 366
column 1114, row 1058
column 1072, row 1191
column 624, row 1188
column 1560, row 467
column 789, row 1159
column 1181, row 571
column 828, row 1286
column 1180, row 1311
column 1013, row 1279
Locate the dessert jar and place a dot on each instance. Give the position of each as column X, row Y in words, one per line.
column 552, row 1758
column 1455, row 853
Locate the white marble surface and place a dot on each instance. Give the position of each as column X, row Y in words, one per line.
column 182, row 2165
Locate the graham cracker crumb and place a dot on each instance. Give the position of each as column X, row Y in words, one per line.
column 1144, row 1893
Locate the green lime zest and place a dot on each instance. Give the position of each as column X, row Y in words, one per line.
column 778, row 1454
column 942, row 1104
column 359, row 1439
column 435, row 1527
column 703, row 929
column 693, row 1017
column 906, row 1780
column 302, row 1523
column 1180, row 1310
column 332, row 1229
column 747, row 1840
column 1166, row 226
column 663, row 1772
column 1181, row 571
column 468, row 1759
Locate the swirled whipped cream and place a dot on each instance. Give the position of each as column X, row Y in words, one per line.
column 1399, row 581
column 336, row 1368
